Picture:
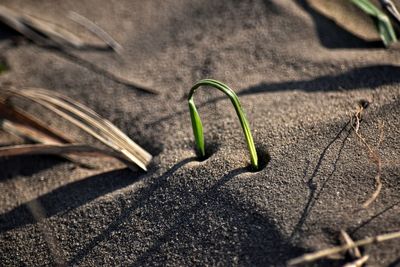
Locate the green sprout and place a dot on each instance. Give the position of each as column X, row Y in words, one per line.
column 198, row 126
column 382, row 21
column 3, row 67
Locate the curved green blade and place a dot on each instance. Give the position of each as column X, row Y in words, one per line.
column 198, row 127
column 383, row 23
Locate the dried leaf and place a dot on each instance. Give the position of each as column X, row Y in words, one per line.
column 22, row 124
column 77, row 114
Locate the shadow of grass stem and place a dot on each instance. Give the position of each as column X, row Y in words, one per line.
column 198, row 126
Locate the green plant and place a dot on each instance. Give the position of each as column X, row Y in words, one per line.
column 3, row 67
column 198, row 126
column 383, row 23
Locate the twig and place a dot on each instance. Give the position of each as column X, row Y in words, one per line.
column 346, row 240
column 372, row 152
column 357, row 263
column 310, row 257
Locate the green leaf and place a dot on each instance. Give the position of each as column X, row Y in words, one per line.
column 3, row 68
column 198, row 127
column 383, row 23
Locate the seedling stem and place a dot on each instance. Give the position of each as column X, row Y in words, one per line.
column 198, row 126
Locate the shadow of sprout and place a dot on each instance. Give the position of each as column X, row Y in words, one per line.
column 218, row 225
column 190, row 223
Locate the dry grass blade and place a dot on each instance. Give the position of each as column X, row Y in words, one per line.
column 46, row 33
column 358, row 263
column 89, row 121
column 310, row 257
column 96, row 30
column 62, row 149
column 39, row 31
column 13, row 20
column 22, row 124
column 346, row 239
column 43, row 32
column 54, row 32
column 392, row 9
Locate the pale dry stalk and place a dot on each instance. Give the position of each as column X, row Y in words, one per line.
column 373, row 152
column 310, row 257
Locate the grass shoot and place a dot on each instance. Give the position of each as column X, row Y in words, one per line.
column 198, row 126
column 382, row 21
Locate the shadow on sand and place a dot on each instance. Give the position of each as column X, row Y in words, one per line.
column 67, row 197
column 312, row 184
column 252, row 235
column 192, row 226
column 26, row 165
column 357, row 78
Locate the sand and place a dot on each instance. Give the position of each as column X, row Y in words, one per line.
column 299, row 78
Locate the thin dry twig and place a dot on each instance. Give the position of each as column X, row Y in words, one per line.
column 358, row 259
column 13, row 20
column 358, row 262
column 373, row 153
column 346, row 239
column 310, row 257
column 46, row 33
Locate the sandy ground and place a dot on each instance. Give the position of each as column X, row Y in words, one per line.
column 299, row 78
